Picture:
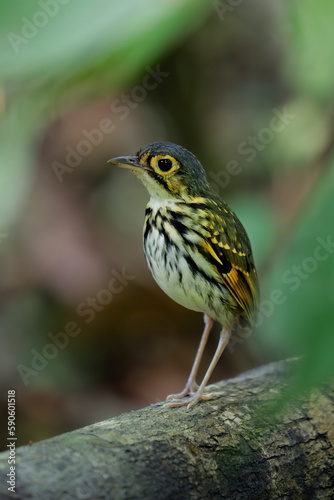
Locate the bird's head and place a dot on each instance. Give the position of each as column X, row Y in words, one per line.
column 167, row 170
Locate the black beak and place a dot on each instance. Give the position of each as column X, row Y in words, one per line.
column 131, row 162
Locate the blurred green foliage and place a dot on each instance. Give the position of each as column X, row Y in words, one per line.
column 309, row 47
column 232, row 69
column 48, row 48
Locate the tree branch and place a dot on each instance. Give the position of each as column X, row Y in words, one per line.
column 231, row 447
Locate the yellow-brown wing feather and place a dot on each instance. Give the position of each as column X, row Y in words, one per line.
column 230, row 252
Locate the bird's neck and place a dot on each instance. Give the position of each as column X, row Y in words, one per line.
column 173, row 203
column 160, row 203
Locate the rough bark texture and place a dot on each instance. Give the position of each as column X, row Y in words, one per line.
column 232, row 447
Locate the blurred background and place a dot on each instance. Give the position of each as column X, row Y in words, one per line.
column 248, row 87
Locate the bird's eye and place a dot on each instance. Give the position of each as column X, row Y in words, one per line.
column 165, row 164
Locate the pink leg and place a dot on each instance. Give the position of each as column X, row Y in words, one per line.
column 194, row 398
column 191, row 385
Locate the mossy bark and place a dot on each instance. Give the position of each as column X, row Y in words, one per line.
column 236, row 446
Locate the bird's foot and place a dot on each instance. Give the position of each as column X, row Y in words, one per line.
column 189, row 390
column 189, row 400
column 211, row 387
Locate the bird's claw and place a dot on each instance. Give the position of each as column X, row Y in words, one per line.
column 212, row 387
column 189, row 401
column 189, row 390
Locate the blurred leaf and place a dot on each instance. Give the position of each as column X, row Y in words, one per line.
column 310, row 47
column 302, row 138
column 16, row 164
column 47, row 39
column 304, row 319
column 48, row 45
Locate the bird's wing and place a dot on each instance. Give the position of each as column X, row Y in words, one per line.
column 229, row 251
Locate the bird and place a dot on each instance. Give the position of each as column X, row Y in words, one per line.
column 196, row 249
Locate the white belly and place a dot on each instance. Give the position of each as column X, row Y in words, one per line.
column 172, row 273
column 171, row 269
